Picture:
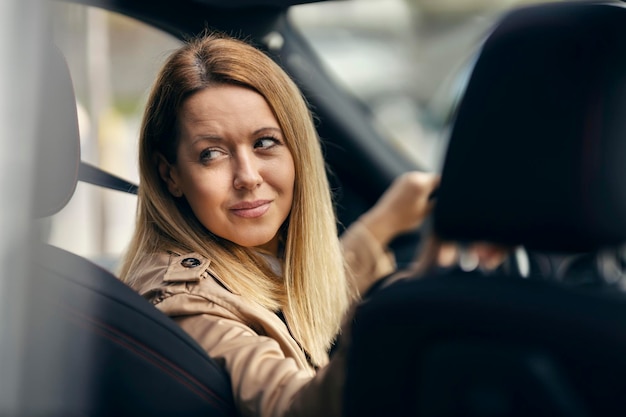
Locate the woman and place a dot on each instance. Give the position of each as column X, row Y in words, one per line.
column 236, row 236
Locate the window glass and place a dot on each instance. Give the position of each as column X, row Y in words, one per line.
column 407, row 60
column 113, row 60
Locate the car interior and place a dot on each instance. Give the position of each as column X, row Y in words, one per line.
column 533, row 163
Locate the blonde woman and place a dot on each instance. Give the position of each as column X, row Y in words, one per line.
column 236, row 235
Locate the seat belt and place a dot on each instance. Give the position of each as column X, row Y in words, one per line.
column 96, row 176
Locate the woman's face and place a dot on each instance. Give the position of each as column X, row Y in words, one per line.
column 233, row 166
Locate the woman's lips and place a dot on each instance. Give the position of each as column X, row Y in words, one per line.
column 251, row 209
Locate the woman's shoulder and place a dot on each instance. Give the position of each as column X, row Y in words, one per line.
column 183, row 283
column 164, row 274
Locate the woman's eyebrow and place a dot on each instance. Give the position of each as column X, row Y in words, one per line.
column 215, row 138
column 267, row 129
column 209, row 137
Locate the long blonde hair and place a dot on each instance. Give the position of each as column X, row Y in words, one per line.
column 313, row 292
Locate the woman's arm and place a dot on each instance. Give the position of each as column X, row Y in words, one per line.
column 402, row 208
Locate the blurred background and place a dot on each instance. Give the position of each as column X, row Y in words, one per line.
column 406, row 60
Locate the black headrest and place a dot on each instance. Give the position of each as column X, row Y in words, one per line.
column 537, row 153
column 58, row 146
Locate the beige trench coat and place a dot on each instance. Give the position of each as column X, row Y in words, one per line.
column 269, row 372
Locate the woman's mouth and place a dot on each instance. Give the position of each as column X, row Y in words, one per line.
column 251, row 209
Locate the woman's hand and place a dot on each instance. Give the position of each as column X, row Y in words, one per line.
column 402, row 207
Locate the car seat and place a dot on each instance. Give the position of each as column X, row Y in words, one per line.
column 535, row 158
column 93, row 347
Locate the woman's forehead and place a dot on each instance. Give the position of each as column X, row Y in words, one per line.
column 218, row 111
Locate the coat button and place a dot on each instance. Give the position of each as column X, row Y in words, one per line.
column 190, row 262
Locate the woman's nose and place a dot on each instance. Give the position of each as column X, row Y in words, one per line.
column 247, row 174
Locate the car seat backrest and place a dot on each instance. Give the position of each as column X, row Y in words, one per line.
column 93, row 346
column 466, row 344
column 536, row 153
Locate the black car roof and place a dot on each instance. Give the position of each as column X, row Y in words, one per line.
column 224, row 15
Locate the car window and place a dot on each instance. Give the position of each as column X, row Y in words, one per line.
column 113, row 60
column 407, row 60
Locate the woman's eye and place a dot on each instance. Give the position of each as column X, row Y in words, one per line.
column 210, row 154
column 266, row 143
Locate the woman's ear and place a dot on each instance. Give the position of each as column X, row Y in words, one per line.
column 169, row 175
